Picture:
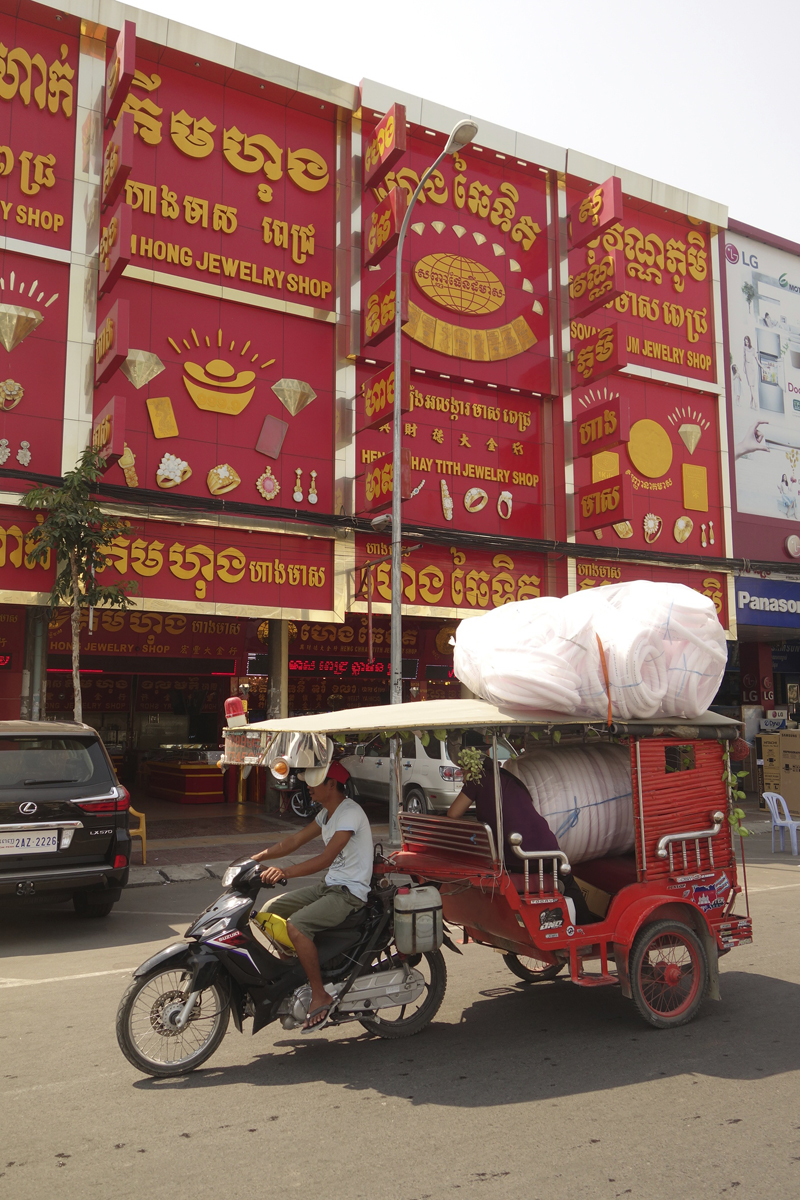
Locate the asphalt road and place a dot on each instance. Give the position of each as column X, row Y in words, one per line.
column 535, row 1092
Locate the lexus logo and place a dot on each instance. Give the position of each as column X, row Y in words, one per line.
column 29, row 808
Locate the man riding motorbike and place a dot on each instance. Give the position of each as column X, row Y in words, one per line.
column 347, row 856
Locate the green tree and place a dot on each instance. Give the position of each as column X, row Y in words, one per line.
column 749, row 293
column 77, row 532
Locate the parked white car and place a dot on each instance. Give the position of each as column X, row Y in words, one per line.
column 431, row 781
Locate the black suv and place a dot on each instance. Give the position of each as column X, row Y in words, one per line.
column 63, row 817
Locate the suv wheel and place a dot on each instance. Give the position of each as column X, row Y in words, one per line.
column 87, row 905
column 414, row 801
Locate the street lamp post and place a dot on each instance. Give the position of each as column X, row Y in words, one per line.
column 462, row 135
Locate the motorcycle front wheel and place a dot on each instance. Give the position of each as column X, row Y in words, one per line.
column 412, row 1018
column 146, row 1036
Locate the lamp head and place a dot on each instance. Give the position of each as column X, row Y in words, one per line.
column 461, row 136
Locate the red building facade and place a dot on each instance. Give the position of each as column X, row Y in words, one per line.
column 199, row 274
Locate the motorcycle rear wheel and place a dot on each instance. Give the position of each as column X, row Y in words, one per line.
column 424, row 1010
column 146, row 1040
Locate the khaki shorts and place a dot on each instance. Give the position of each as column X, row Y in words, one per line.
column 312, row 909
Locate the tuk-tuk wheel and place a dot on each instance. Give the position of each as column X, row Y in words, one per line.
column 668, row 973
column 531, row 969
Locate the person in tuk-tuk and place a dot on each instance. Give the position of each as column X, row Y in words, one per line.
column 519, row 816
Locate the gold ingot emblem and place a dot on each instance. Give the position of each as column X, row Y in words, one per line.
column 459, row 284
column 605, row 465
column 212, row 387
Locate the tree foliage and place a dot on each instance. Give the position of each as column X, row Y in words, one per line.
column 77, row 533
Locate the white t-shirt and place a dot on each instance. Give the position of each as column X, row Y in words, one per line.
column 352, row 867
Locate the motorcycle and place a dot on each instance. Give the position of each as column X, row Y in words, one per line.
column 302, row 805
column 299, row 797
column 300, row 801
column 175, row 1013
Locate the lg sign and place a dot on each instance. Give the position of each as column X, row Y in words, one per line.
column 732, row 254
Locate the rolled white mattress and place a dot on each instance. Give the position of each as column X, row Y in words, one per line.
column 651, row 649
column 584, row 794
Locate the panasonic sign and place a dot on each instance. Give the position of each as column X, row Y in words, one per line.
column 767, row 602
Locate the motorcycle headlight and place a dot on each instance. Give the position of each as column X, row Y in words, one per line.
column 230, row 874
column 217, row 927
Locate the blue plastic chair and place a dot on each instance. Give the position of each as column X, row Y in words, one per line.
column 776, row 803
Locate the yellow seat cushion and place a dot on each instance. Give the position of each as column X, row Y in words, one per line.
column 274, row 927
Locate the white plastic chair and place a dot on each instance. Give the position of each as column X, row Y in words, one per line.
column 776, row 803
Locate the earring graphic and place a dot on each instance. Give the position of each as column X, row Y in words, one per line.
column 711, row 532
column 24, row 454
column 312, row 491
column 703, row 538
column 5, row 450
column 297, row 494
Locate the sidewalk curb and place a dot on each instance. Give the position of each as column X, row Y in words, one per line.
column 182, row 873
column 189, row 872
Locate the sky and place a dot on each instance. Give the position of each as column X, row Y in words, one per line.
column 702, row 95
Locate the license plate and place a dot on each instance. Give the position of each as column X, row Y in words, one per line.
column 43, row 841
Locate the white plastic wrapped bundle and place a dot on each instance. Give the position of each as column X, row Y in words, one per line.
column 584, row 794
column 664, row 649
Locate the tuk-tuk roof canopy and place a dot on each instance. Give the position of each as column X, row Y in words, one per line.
column 470, row 714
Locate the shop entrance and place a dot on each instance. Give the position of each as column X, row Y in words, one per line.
column 154, row 686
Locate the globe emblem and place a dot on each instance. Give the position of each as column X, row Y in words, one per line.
column 459, row 284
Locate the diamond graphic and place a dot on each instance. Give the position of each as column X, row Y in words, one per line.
column 293, row 394
column 16, row 323
column 459, row 230
column 141, row 366
column 690, row 436
column 419, row 227
column 439, row 226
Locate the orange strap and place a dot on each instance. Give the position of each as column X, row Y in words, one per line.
column 605, row 677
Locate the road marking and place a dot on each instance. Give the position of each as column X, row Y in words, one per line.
column 9, row 983
column 773, row 887
column 60, row 1084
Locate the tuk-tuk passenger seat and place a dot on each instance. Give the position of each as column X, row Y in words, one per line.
column 610, row 874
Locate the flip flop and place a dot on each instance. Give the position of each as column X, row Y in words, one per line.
column 323, row 1008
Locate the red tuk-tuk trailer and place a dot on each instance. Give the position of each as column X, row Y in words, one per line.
column 668, row 901
column 670, row 912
